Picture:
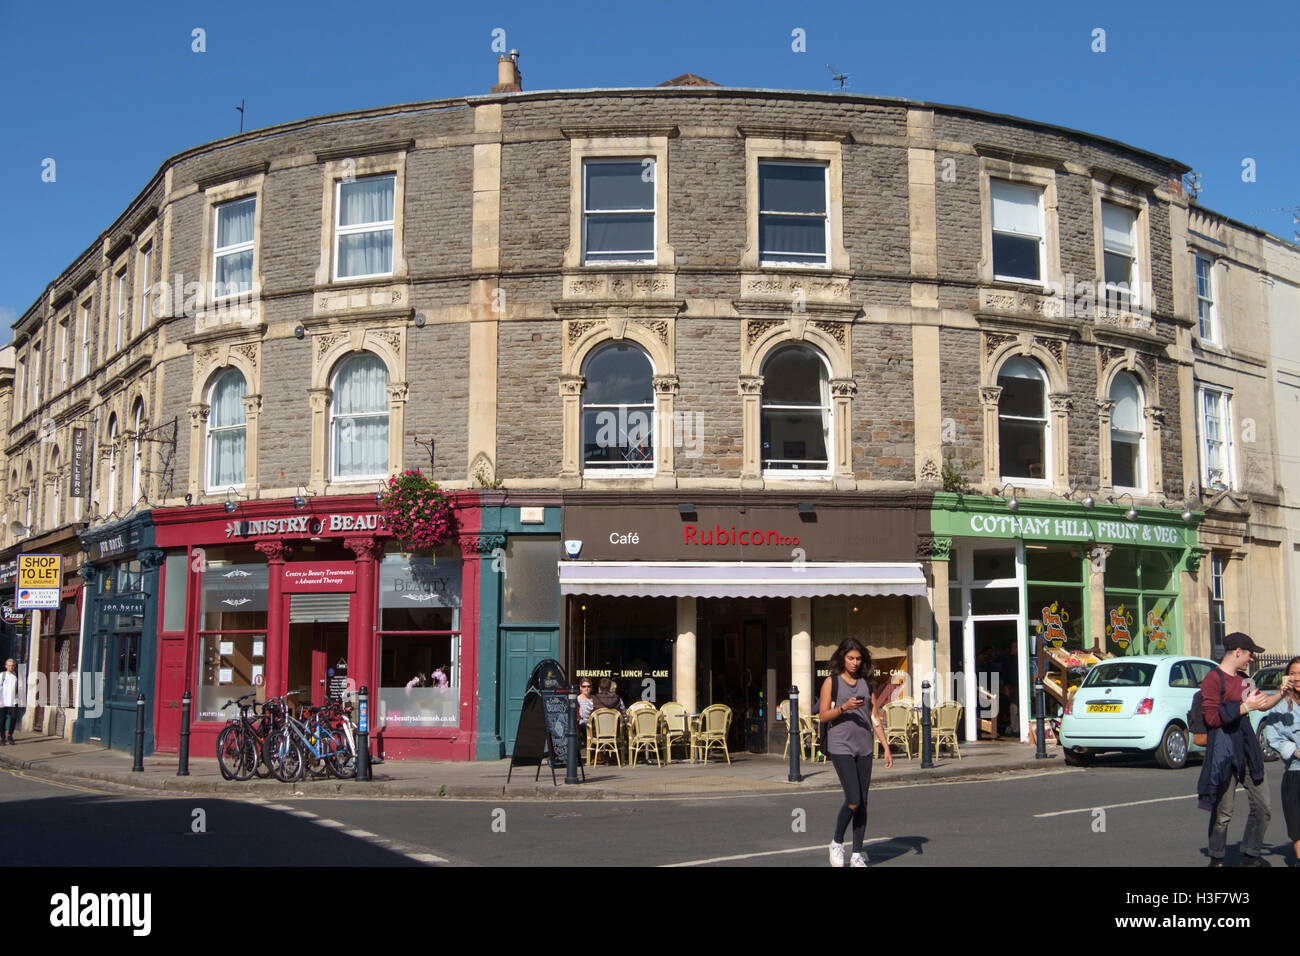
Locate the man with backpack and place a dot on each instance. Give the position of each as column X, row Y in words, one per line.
column 1232, row 751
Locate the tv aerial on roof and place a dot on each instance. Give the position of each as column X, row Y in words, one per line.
column 841, row 78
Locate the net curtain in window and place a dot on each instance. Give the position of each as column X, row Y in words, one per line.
column 362, row 203
column 361, row 417
column 226, row 430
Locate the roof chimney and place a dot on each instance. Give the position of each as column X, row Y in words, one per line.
column 509, row 79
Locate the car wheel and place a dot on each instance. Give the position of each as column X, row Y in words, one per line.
column 1172, row 752
column 1075, row 757
column 1268, row 752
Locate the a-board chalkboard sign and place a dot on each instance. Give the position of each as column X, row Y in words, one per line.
column 542, row 734
column 547, row 675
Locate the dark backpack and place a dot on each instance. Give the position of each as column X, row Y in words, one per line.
column 824, row 726
column 1196, row 716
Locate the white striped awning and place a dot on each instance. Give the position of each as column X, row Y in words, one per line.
column 716, row 579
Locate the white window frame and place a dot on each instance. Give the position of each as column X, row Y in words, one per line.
column 119, row 278
column 64, row 326
column 334, row 416
column 219, row 252
column 85, row 337
column 652, row 211
column 1229, row 452
column 1213, row 336
column 1134, row 255
column 144, row 270
column 208, row 484
column 389, row 226
column 1140, row 465
column 784, row 474
column 825, row 217
column 54, row 499
column 1042, row 234
column 20, row 389
column 620, row 471
column 137, row 455
column 1048, row 463
column 35, row 377
column 111, row 496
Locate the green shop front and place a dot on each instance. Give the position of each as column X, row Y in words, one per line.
column 1049, row 574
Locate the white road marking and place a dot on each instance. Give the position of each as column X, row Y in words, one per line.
column 306, row 814
column 278, row 806
column 749, row 856
column 326, row 822
column 363, row 834
column 1113, row 806
column 427, row 858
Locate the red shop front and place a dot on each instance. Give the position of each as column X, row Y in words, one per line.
column 274, row 600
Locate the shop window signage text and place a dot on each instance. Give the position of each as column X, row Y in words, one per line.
column 718, row 535
column 1073, row 528
column 304, row 524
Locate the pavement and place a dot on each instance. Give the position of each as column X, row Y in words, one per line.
column 750, row 774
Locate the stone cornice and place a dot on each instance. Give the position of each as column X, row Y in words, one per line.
column 233, row 174
column 614, row 131
column 364, row 149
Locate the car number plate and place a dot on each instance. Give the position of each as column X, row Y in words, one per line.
column 1104, row 708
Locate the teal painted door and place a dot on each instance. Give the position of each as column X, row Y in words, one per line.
column 522, row 650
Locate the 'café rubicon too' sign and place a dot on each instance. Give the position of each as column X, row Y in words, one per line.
column 305, row 524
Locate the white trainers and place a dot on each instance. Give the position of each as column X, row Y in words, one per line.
column 858, row 860
column 837, row 854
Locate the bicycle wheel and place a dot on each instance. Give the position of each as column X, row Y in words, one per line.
column 342, row 762
column 284, row 756
column 235, row 754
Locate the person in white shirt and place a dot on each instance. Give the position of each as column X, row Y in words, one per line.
column 8, row 701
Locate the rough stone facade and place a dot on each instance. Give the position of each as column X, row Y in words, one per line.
column 490, row 275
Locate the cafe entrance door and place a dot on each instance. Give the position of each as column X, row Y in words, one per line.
column 742, row 673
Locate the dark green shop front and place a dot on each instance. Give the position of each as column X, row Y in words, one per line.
column 119, row 647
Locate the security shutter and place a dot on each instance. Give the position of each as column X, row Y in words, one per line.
column 309, row 608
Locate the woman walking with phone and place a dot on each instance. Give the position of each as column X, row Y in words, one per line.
column 848, row 712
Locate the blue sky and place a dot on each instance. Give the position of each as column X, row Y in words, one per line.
column 108, row 91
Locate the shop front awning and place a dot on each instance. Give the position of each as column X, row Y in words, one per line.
column 710, row 579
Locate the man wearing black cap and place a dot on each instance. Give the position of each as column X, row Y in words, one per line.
column 1232, row 751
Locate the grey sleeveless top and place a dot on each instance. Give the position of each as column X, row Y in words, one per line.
column 850, row 734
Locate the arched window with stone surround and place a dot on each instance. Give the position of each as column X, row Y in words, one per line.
column 1127, row 434
column 796, row 412
column 359, row 419
column 110, row 499
column 227, row 430
column 1024, row 422
column 137, row 452
column 53, row 501
column 618, row 411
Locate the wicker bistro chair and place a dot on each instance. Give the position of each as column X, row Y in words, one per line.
column 947, row 718
column 807, row 731
column 715, row 720
column 674, row 727
column 602, row 734
column 898, row 727
column 643, row 735
column 809, row 734
column 632, row 710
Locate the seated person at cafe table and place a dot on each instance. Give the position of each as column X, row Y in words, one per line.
column 607, row 696
column 586, row 702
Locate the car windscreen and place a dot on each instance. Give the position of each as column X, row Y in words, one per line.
column 1269, row 680
column 1121, row 674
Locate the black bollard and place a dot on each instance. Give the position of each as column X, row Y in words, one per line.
column 363, row 735
column 1041, row 752
column 796, row 735
column 138, row 765
column 184, row 769
column 927, row 750
column 571, row 739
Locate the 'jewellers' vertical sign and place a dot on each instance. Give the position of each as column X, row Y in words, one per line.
column 77, row 481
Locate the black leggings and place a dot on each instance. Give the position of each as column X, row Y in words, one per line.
column 855, row 778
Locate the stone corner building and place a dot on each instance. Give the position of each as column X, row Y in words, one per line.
column 756, row 370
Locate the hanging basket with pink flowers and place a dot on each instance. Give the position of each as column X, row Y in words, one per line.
column 416, row 511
